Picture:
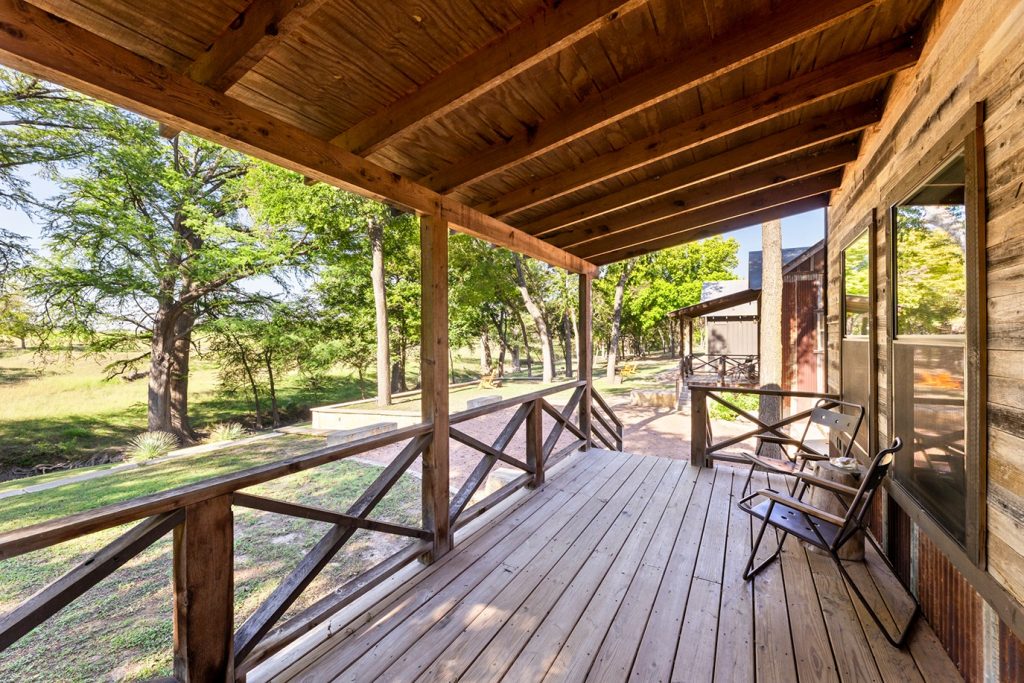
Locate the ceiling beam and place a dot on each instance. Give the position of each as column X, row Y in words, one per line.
column 772, row 213
column 759, row 36
column 681, row 202
column 555, row 27
column 803, row 136
column 248, row 39
column 36, row 42
column 787, row 192
column 825, row 82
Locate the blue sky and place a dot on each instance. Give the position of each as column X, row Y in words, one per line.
column 801, row 230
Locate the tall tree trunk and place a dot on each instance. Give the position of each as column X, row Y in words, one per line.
column 380, row 304
column 275, row 415
column 770, row 409
column 615, row 341
column 567, row 349
column 161, row 359
column 485, row 354
column 526, row 345
column 178, row 388
column 546, row 348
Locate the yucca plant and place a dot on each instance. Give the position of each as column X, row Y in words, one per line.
column 226, row 431
column 149, row 445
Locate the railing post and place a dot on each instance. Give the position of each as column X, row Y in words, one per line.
column 698, row 426
column 434, row 380
column 535, row 442
column 586, row 355
column 203, row 569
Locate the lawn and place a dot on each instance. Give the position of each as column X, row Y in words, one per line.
column 60, row 409
column 121, row 629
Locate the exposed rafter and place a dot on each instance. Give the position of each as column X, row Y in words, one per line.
column 828, row 81
column 811, row 133
column 787, row 192
column 39, row 43
column 538, row 37
column 681, row 202
column 771, row 213
column 759, row 37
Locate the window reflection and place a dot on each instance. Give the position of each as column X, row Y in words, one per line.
column 855, row 287
column 929, row 394
column 929, row 352
column 931, row 242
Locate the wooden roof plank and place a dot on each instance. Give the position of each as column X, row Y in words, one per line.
column 534, row 40
column 700, row 64
column 37, row 42
column 706, row 194
column 873, row 64
column 813, row 132
column 674, row 239
column 747, row 204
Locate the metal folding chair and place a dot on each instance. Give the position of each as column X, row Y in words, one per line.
column 828, row 531
column 828, row 414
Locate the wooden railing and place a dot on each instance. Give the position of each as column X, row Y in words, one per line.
column 201, row 519
column 605, row 425
column 727, row 367
column 704, row 450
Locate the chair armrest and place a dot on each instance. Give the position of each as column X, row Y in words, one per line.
column 825, row 483
column 800, row 506
column 785, row 440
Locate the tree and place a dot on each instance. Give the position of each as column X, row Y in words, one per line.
column 17, row 319
column 770, row 361
column 148, row 235
column 532, row 303
column 624, row 270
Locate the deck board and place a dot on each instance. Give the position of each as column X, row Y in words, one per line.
column 620, row 567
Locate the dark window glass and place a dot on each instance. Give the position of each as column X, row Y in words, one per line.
column 929, row 400
column 931, row 241
column 855, row 287
column 929, row 351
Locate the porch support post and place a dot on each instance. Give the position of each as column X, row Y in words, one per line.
column 434, row 379
column 698, row 426
column 585, row 361
column 203, row 570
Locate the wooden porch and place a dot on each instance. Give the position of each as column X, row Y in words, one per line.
column 619, row 567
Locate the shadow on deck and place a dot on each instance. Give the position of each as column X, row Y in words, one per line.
column 620, row 567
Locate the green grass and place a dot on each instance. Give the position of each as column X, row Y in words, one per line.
column 60, row 409
column 121, row 629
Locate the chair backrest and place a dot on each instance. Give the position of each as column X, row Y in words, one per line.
column 828, row 413
column 870, row 481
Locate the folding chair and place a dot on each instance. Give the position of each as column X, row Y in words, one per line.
column 826, row 413
column 828, row 531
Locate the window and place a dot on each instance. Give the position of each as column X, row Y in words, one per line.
column 929, row 245
column 856, row 284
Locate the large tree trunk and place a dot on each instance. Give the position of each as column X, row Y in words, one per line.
column 274, row 412
column 526, row 345
column 180, row 424
column 161, row 359
column 546, row 348
column 614, row 342
column 380, row 303
column 771, row 326
column 486, row 362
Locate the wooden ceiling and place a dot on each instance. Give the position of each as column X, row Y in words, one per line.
column 578, row 131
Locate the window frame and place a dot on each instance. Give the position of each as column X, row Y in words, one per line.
column 866, row 234
column 964, row 137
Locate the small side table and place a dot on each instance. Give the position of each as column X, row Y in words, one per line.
column 826, row 500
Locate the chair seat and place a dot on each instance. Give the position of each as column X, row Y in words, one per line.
column 796, row 523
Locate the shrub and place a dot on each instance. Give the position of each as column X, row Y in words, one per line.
column 149, row 445
column 226, row 431
column 748, row 402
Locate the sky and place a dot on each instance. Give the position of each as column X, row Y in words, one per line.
column 801, row 230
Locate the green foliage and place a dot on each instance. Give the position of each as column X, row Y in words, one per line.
column 931, row 281
column 748, row 402
column 149, row 445
column 226, row 431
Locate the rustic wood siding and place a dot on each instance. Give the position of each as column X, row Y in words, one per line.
column 973, row 52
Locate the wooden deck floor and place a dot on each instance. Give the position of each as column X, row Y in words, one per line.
column 621, row 567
